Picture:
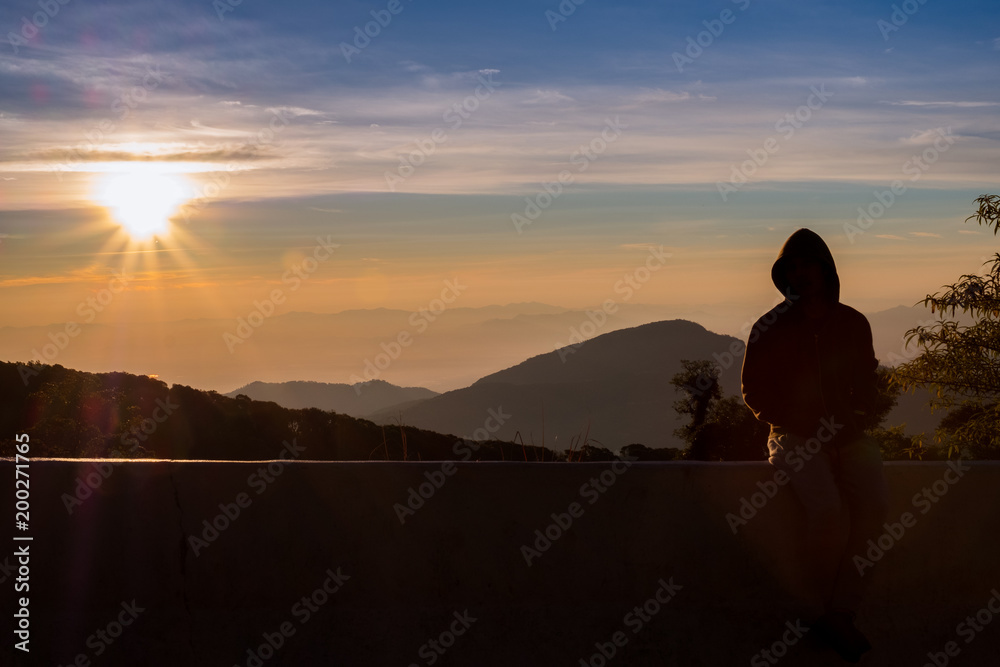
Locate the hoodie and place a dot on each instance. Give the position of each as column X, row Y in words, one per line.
column 803, row 374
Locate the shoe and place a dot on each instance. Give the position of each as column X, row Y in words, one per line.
column 837, row 629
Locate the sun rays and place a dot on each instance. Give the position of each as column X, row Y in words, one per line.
column 142, row 202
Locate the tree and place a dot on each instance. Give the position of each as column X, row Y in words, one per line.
column 886, row 394
column 725, row 429
column 640, row 452
column 699, row 384
column 962, row 362
column 721, row 429
column 732, row 433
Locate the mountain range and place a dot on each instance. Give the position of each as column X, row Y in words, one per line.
column 613, row 390
column 357, row 400
column 461, row 345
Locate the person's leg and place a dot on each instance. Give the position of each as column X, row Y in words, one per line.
column 812, row 478
column 862, row 480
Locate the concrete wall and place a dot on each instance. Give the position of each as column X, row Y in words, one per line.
column 125, row 555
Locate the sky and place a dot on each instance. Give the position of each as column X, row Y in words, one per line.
column 532, row 151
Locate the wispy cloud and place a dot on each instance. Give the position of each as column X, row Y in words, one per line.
column 942, row 103
column 653, row 95
column 349, row 125
column 547, row 97
column 925, row 137
column 147, row 153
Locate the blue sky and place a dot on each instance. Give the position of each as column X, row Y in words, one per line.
column 197, row 88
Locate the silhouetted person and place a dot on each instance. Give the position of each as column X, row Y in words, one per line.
column 809, row 372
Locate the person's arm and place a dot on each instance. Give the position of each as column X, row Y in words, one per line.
column 864, row 389
column 761, row 377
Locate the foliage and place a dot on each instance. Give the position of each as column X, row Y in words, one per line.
column 639, row 452
column 70, row 413
column 699, row 386
column 886, row 394
column 895, row 445
column 725, row 429
column 962, row 362
column 590, row 453
column 721, row 429
column 731, row 433
column 972, row 430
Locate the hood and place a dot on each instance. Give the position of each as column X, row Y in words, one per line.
column 806, row 243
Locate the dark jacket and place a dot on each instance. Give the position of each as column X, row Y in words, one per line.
column 800, row 372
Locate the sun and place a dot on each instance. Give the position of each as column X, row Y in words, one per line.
column 142, row 202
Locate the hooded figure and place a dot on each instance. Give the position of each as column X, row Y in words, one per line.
column 809, row 372
column 810, row 367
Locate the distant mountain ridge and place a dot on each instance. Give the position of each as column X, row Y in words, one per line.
column 615, row 388
column 71, row 413
column 357, row 400
column 609, row 391
column 616, row 384
column 461, row 346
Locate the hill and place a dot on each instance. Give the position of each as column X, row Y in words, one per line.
column 69, row 413
column 613, row 389
column 357, row 400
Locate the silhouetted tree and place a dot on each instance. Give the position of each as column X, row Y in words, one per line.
column 70, row 413
column 644, row 453
column 721, row 429
column 963, row 362
column 725, row 429
column 731, row 433
column 895, row 445
column 887, row 394
column 699, row 386
column 591, row 453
